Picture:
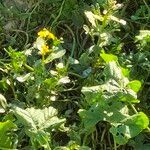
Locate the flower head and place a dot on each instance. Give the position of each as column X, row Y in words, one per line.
column 44, row 50
column 46, row 34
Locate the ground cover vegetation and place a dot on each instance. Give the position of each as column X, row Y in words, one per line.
column 74, row 74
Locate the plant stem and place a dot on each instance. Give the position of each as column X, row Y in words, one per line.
column 115, row 146
column 28, row 67
column 56, row 19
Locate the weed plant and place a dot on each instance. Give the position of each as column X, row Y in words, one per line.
column 74, row 74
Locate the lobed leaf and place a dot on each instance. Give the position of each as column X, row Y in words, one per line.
column 37, row 118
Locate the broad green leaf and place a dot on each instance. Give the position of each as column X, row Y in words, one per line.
column 90, row 118
column 138, row 122
column 93, row 94
column 134, row 85
column 36, row 121
column 46, row 117
column 6, row 141
column 3, row 103
column 24, row 117
column 37, row 118
column 105, row 110
column 114, row 71
column 125, row 72
column 109, row 57
column 129, row 127
column 127, row 96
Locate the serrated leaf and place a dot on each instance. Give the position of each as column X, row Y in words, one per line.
column 24, row 117
column 6, row 141
column 36, row 121
column 46, row 117
column 37, row 118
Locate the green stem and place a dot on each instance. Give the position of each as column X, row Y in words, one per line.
column 43, row 58
column 134, row 109
column 56, row 19
column 28, row 67
column 115, row 146
column 74, row 74
column 74, row 40
column 29, row 18
column 103, row 133
column 25, row 33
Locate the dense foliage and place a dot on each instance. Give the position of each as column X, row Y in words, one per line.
column 74, row 74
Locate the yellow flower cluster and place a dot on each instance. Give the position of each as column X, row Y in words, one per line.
column 41, row 42
column 44, row 50
column 46, row 34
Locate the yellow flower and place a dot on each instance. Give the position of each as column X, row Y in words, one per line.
column 51, row 36
column 44, row 50
column 46, row 34
column 43, row 33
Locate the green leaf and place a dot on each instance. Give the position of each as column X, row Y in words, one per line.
column 23, row 78
column 134, row 85
column 38, row 118
column 24, row 117
column 105, row 110
column 5, row 136
column 90, row 118
column 36, row 121
column 114, row 71
column 40, row 137
column 109, row 57
column 129, row 128
column 54, row 55
column 3, row 103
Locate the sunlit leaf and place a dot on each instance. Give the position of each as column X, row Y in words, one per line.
column 129, row 127
column 109, row 57
column 37, row 118
column 55, row 55
column 6, row 141
column 134, row 85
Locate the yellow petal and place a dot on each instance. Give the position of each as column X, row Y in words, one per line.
column 44, row 50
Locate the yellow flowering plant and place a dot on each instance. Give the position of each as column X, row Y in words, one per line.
column 48, row 45
column 46, row 34
column 42, row 43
